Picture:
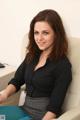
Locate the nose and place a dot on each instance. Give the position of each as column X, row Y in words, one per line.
column 40, row 37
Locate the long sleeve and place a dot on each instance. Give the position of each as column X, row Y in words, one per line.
column 18, row 79
column 63, row 77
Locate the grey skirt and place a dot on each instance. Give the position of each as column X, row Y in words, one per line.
column 36, row 107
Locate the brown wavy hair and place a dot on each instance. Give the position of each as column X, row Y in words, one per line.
column 60, row 45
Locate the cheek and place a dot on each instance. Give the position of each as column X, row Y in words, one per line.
column 50, row 40
column 49, row 43
column 35, row 39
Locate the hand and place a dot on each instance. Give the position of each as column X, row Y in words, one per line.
column 50, row 119
column 49, row 116
column 3, row 96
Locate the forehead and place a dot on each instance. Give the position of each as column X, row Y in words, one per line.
column 42, row 25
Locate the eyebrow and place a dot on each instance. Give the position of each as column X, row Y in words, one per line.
column 42, row 30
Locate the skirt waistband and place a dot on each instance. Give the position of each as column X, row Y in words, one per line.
column 38, row 103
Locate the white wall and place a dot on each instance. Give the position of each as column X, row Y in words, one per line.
column 15, row 17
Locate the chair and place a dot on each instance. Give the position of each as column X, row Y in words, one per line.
column 71, row 106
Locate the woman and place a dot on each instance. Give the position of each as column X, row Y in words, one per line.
column 46, row 70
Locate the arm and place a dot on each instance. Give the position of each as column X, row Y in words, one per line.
column 15, row 83
column 8, row 91
column 63, row 78
column 18, row 79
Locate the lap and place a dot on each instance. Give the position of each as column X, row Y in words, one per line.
column 13, row 113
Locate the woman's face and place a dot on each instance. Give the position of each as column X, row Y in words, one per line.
column 43, row 35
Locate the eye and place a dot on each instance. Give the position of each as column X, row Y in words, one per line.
column 45, row 33
column 36, row 33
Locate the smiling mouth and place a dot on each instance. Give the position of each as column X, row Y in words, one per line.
column 41, row 43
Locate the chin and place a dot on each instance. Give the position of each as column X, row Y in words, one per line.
column 41, row 48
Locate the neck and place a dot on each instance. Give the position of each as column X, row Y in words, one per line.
column 44, row 55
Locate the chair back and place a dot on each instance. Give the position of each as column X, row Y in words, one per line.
column 72, row 98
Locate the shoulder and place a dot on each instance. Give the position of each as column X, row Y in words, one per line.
column 63, row 65
column 64, row 61
column 60, row 64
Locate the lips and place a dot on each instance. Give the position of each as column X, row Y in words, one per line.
column 41, row 44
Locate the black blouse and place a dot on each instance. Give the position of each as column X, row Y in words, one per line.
column 51, row 80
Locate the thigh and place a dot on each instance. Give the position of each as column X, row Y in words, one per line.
column 13, row 113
